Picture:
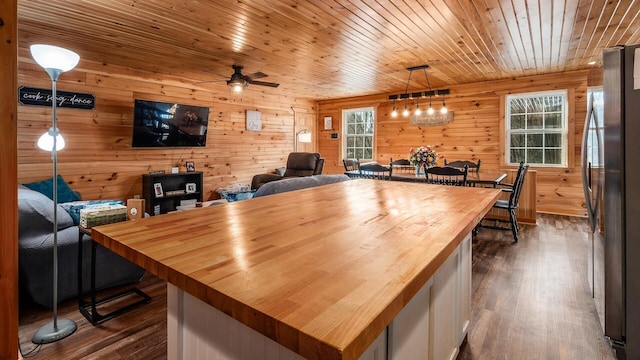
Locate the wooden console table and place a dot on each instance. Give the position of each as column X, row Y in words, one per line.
column 333, row 272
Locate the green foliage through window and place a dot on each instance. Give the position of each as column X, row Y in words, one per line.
column 536, row 128
column 358, row 130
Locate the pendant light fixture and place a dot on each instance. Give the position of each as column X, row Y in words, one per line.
column 417, row 95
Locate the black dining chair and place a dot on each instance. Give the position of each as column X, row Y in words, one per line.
column 511, row 204
column 401, row 166
column 446, row 175
column 351, row 167
column 459, row 164
column 375, row 171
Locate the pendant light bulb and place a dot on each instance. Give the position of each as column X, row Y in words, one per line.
column 444, row 108
column 394, row 112
column 405, row 112
column 418, row 112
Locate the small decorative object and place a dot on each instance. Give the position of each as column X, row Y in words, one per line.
column 191, row 188
column 254, row 120
column 191, row 166
column 334, row 135
column 158, row 188
column 175, row 170
column 423, row 155
column 328, row 123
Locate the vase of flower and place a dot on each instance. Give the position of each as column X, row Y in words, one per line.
column 423, row 155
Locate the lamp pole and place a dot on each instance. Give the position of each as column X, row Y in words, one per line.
column 55, row 61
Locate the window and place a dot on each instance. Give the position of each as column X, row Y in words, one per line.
column 358, row 130
column 537, row 128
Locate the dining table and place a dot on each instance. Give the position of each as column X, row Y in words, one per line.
column 490, row 178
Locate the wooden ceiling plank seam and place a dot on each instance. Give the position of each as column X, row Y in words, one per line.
column 456, row 60
column 373, row 28
column 587, row 32
column 535, row 32
column 411, row 33
column 459, row 45
column 494, row 51
column 416, row 44
column 498, row 23
column 473, row 40
column 623, row 23
column 604, row 17
column 568, row 21
column 634, row 36
column 525, row 34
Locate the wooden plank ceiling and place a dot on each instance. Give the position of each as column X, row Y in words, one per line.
column 327, row 49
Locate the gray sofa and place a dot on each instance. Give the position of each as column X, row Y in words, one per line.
column 299, row 164
column 291, row 184
column 35, row 254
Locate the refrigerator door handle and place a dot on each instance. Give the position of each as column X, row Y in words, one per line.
column 591, row 204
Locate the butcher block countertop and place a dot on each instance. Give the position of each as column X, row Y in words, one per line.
column 321, row 271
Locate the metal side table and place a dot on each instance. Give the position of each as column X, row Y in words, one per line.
column 89, row 308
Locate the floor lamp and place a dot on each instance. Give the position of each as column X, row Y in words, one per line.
column 55, row 61
column 302, row 136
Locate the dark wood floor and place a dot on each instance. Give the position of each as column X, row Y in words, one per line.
column 530, row 301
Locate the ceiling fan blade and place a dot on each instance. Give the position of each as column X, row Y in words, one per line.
column 257, row 75
column 263, row 83
column 209, row 81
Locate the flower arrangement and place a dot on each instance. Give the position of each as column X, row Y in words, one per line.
column 423, row 155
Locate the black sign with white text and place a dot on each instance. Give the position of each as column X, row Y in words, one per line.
column 65, row 99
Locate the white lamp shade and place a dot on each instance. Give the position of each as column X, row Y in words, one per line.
column 54, row 57
column 304, row 137
column 45, row 142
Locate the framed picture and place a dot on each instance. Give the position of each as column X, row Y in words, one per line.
column 254, row 120
column 190, row 165
column 158, row 188
column 190, row 188
column 328, row 123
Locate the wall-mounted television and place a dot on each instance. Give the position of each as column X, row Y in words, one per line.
column 160, row 124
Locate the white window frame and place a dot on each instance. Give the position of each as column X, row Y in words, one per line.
column 347, row 136
column 563, row 130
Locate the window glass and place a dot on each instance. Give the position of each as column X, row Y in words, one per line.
column 359, row 127
column 537, row 128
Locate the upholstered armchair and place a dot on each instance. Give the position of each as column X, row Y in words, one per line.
column 298, row 164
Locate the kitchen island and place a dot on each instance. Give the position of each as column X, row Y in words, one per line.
column 358, row 269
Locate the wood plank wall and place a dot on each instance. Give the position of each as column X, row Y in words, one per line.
column 8, row 181
column 99, row 161
column 476, row 132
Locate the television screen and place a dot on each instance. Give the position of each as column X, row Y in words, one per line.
column 160, row 124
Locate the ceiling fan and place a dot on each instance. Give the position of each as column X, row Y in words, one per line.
column 239, row 81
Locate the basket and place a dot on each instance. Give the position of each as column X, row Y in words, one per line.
column 101, row 215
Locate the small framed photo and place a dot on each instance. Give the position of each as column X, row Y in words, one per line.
column 328, row 123
column 158, row 188
column 190, row 188
column 190, row 165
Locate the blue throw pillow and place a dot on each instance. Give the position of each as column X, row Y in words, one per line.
column 65, row 194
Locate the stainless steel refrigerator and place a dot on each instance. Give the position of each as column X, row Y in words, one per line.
column 612, row 133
